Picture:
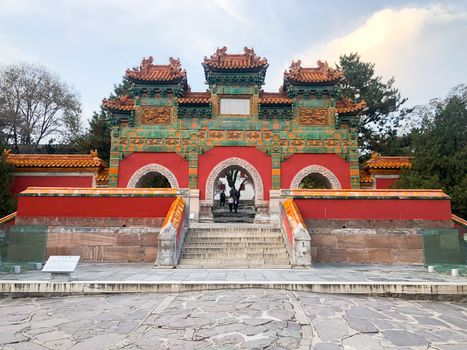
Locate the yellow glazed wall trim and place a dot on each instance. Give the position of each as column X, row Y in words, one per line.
column 175, row 213
column 293, row 214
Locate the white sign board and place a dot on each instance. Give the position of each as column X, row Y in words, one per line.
column 235, row 106
column 61, row 264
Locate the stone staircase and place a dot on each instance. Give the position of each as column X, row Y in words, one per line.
column 246, row 212
column 222, row 245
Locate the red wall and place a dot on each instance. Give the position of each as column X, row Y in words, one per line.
column 333, row 162
column 171, row 161
column 68, row 206
column 20, row 183
column 384, row 183
column 374, row 209
column 255, row 157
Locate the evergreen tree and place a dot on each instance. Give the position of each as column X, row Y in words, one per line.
column 440, row 149
column 382, row 98
column 98, row 136
column 7, row 201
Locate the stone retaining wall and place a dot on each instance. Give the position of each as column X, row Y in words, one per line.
column 368, row 241
column 104, row 244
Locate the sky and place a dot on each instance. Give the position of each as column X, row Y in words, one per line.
column 90, row 43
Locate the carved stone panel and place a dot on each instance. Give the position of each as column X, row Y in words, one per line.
column 313, row 116
column 156, row 115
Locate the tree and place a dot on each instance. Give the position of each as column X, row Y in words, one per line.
column 35, row 105
column 7, row 201
column 440, row 149
column 234, row 176
column 98, row 135
column 383, row 100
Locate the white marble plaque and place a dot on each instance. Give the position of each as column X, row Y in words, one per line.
column 235, row 106
column 61, row 264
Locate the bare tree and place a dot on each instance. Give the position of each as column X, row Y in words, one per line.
column 35, row 105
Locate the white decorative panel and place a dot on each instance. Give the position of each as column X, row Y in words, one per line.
column 235, row 106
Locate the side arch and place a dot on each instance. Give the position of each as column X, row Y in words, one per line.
column 316, row 169
column 152, row 168
column 234, row 161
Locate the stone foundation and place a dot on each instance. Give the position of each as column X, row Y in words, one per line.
column 109, row 244
column 368, row 241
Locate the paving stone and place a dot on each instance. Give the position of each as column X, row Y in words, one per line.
column 361, row 325
column 364, row 312
column 8, row 338
column 29, row 345
column 327, row 346
column 330, row 328
column 99, row 341
column 255, row 321
column 259, row 343
column 461, row 346
column 362, row 342
column 404, row 338
column 229, row 339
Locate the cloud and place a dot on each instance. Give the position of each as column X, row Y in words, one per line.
column 227, row 7
column 421, row 46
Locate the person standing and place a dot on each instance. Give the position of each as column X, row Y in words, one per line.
column 236, row 200
column 222, row 198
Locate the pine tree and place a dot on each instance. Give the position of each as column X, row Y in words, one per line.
column 382, row 98
column 440, row 150
column 7, row 201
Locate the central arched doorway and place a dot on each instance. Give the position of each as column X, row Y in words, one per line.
column 153, row 176
column 234, row 196
column 233, row 174
column 153, row 180
column 315, row 176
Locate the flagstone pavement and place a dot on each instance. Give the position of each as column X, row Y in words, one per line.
column 231, row 319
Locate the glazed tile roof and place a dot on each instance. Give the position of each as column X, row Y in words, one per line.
column 56, row 160
column 321, row 74
column 99, row 192
column 102, row 177
column 195, row 98
column 121, row 103
column 152, row 72
column 275, row 98
column 365, row 177
column 247, row 60
column 345, row 105
column 388, row 162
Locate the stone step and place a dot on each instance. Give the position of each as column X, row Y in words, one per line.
column 234, row 266
column 241, row 220
column 229, row 236
column 234, row 256
column 233, row 262
column 265, row 233
column 236, row 245
column 234, row 248
column 244, row 230
column 233, row 240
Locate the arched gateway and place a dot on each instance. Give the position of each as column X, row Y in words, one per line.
column 234, row 119
column 146, row 170
column 329, row 177
column 229, row 163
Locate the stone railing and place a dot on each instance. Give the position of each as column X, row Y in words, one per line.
column 172, row 234
column 295, row 234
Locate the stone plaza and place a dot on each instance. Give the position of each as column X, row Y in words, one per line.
column 232, row 316
column 231, row 319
